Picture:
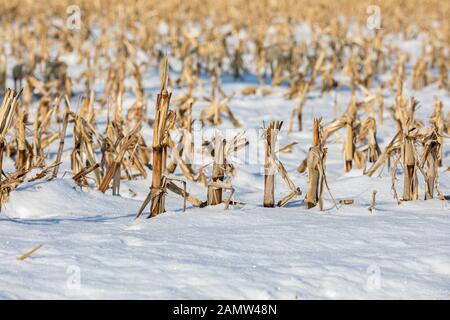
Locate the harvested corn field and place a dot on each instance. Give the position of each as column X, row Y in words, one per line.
column 224, row 149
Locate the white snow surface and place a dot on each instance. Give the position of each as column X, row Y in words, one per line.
column 94, row 249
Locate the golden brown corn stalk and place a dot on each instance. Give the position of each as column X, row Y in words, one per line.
column 113, row 171
column 269, row 170
column 419, row 74
column 409, row 156
column 272, row 165
column 429, row 162
column 369, row 130
column 315, row 67
column 23, row 156
column 299, row 109
column 160, row 134
column 437, row 120
column 62, row 137
column 3, row 65
column 372, row 204
column 83, row 151
column 315, row 179
column 221, row 151
column 349, row 145
column 348, row 121
column 183, row 152
column 80, row 177
column 177, row 154
column 391, row 148
column 315, row 163
column 7, row 112
column 218, row 173
column 380, row 101
column 213, row 112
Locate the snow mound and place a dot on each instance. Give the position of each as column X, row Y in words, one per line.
column 62, row 197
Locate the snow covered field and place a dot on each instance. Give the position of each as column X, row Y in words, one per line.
column 250, row 253
column 93, row 248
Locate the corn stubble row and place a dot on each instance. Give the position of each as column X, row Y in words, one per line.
column 211, row 39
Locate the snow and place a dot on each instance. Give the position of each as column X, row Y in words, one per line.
column 242, row 253
column 94, row 249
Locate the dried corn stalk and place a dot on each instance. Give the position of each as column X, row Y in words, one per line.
column 213, row 112
column 24, row 157
column 391, row 149
column 369, row 130
column 269, row 171
column 218, row 172
column 429, row 162
column 409, row 156
column 7, row 112
column 83, row 150
column 349, row 146
column 315, row 68
column 223, row 170
column 372, row 204
column 113, row 172
column 164, row 121
column 315, row 163
column 160, row 134
column 437, row 120
column 272, row 165
column 62, row 137
column 3, row 65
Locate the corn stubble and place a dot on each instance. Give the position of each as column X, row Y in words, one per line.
column 39, row 112
column 272, row 166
